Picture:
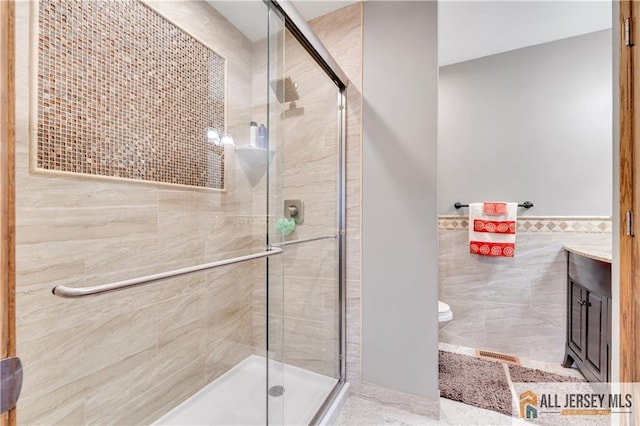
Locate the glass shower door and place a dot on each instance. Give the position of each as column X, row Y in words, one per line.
column 312, row 190
column 274, row 284
column 302, row 289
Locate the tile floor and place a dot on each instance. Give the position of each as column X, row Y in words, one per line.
column 359, row 411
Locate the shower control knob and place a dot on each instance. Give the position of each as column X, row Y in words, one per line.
column 294, row 209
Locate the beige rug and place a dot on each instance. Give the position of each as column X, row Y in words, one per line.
column 484, row 383
column 474, row 381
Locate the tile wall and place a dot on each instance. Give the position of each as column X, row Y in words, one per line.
column 116, row 349
column 341, row 33
column 122, row 92
column 146, row 349
column 516, row 305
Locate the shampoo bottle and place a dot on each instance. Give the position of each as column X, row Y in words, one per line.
column 253, row 133
column 263, row 137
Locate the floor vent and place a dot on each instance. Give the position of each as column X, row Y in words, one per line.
column 497, row 356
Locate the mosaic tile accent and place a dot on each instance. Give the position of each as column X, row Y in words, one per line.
column 589, row 225
column 122, row 92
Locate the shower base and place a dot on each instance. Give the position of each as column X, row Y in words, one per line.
column 238, row 397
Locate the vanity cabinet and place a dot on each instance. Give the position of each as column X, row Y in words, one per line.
column 589, row 317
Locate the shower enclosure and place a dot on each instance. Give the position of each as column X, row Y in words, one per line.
column 179, row 214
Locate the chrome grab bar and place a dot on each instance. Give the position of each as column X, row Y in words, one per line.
column 64, row 291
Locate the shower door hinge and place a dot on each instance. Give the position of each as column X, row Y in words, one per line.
column 628, row 223
column 627, row 32
column 10, row 383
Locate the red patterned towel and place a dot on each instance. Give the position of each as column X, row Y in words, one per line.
column 492, row 228
column 494, row 209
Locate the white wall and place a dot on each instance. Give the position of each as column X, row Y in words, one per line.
column 472, row 29
column 400, row 235
column 530, row 124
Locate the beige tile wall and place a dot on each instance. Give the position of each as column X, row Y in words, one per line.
column 146, row 349
column 341, row 33
column 515, row 305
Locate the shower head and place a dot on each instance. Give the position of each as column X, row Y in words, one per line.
column 286, row 90
column 293, row 111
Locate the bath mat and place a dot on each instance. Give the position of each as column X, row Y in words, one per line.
column 483, row 383
column 530, row 375
column 474, row 381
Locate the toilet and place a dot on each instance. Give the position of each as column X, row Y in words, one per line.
column 444, row 314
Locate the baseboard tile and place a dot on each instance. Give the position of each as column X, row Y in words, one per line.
column 400, row 400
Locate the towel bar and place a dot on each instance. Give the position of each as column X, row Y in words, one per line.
column 526, row 205
column 64, row 291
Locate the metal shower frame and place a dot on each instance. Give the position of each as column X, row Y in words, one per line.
column 297, row 25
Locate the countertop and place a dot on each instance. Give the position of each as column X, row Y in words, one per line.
column 597, row 252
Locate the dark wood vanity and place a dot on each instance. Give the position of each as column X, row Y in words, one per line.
column 588, row 342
